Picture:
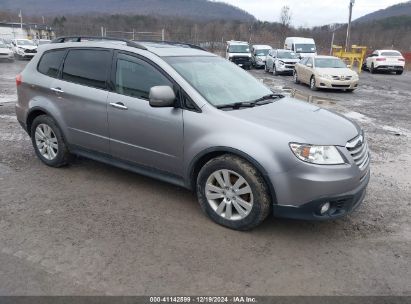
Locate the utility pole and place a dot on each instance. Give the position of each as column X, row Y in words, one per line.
column 347, row 41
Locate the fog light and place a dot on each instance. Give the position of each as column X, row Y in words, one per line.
column 325, row 208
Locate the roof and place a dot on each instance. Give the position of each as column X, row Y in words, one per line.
column 325, row 57
column 237, row 42
column 302, row 39
column 261, row 47
column 159, row 49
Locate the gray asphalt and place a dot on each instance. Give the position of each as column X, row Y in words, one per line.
column 93, row 229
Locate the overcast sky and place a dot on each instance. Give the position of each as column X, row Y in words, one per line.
column 311, row 12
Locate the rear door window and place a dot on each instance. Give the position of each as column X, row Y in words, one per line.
column 50, row 63
column 87, row 67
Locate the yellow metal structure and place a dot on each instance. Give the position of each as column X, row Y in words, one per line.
column 355, row 55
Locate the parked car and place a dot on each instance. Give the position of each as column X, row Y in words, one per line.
column 159, row 110
column 239, row 53
column 326, row 72
column 259, row 54
column 304, row 47
column 385, row 60
column 281, row 62
column 5, row 52
column 24, row 48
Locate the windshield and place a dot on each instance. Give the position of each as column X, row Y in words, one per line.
column 287, row 55
column 329, row 63
column 241, row 48
column 25, row 42
column 219, row 81
column 261, row 52
column 394, row 54
column 305, row 48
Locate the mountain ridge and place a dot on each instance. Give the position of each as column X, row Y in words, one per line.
column 194, row 9
column 401, row 9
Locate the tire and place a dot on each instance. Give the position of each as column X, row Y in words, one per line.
column 349, row 90
column 265, row 67
column 313, row 86
column 60, row 155
column 257, row 197
column 295, row 77
column 275, row 72
column 372, row 69
column 399, row 72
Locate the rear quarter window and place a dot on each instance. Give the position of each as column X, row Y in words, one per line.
column 87, row 67
column 50, row 62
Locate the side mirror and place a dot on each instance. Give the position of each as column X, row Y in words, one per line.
column 162, row 97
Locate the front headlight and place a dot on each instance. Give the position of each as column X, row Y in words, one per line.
column 320, row 155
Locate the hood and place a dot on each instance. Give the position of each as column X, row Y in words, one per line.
column 336, row 72
column 289, row 60
column 302, row 122
column 27, row 47
column 239, row 55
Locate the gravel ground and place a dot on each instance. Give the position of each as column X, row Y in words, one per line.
column 93, row 229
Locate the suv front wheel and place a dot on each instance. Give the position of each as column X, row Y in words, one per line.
column 233, row 193
column 48, row 142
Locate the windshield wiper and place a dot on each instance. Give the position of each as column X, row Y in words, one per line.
column 250, row 104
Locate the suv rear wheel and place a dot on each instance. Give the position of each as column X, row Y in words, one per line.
column 233, row 193
column 48, row 142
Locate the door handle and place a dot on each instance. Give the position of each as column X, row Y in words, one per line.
column 57, row 90
column 118, row 105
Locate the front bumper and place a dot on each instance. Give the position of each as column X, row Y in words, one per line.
column 9, row 56
column 287, row 68
column 326, row 83
column 341, row 204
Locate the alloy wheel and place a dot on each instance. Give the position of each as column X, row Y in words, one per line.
column 46, row 141
column 229, row 195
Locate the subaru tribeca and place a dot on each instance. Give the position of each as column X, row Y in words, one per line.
column 188, row 117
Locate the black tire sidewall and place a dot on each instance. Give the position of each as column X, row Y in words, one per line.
column 62, row 154
column 261, row 198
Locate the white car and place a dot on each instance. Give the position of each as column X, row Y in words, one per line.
column 259, row 54
column 281, row 62
column 24, row 48
column 385, row 60
column 5, row 52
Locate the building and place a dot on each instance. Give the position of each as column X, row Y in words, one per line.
column 11, row 30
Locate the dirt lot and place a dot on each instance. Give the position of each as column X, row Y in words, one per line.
column 93, row 229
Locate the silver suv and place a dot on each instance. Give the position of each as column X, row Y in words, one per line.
column 188, row 117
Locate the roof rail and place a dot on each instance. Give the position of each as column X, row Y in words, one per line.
column 97, row 38
column 176, row 43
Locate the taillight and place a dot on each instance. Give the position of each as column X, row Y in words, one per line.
column 19, row 79
column 381, row 59
column 401, row 59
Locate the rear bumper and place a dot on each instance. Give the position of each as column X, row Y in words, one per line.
column 341, row 205
column 389, row 67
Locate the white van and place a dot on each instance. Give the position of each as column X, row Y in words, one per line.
column 239, row 52
column 304, row 47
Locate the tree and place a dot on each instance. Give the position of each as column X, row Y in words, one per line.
column 285, row 21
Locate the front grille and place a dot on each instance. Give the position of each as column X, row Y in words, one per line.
column 241, row 60
column 358, row 149
column 340, row 86
column 342, row 77
column 30, row 51
column 289, row 66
